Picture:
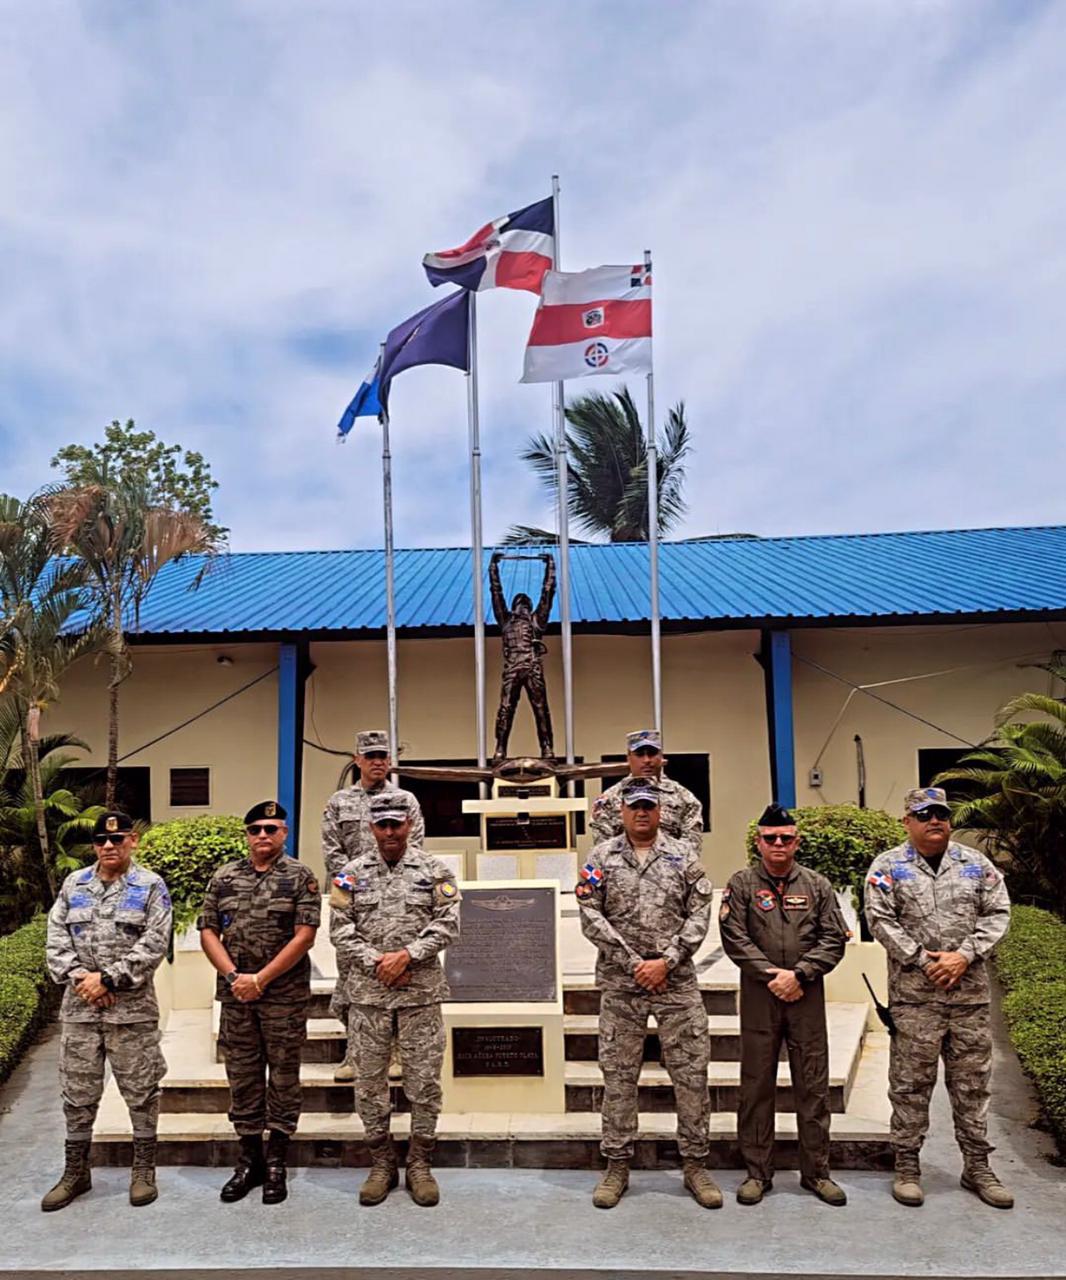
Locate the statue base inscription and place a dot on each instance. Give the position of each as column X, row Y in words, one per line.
column 507, row 950
column 498, row 1051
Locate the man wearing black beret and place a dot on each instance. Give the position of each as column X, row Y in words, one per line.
column 257, row 925
column 781, row 925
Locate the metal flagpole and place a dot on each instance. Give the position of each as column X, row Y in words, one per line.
column 476, row 556
column 653, row 543
column 563, row 487
column 390, row 584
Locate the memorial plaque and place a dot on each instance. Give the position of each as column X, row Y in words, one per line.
column 498, row 1051
column 534, row 831
column 507, row 948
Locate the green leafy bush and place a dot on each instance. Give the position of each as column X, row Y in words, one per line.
column 840, row 841
column 187, row 852
column 27, row 994
column 1031, row 962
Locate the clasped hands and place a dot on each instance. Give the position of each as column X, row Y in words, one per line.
column 90, row 988
column 393, row 968
column 945, row 967
column 652, row 975
column 785, row 985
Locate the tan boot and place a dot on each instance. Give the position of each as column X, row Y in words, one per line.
column 978, row 1177
column 142, row 1175
column 344, row 1072
column 418, row 1176
column 384, row 1171
column 701, row 1186
column 613, row 1185
column 826, row 1190
column 752, row 1190
column 906, row 1186
column 77, row 1178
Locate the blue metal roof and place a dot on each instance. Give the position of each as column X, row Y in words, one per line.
column 717, row 582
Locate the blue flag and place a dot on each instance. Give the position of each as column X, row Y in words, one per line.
column 435, row 335
column 365, row 404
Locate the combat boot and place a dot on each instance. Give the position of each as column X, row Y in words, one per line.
column 907, row 1186
column 978, row 1177
column 250, row 1170
column 344, row 1072
column 76, row 1180
column 384, row 1171
column 613, row 1185
column 752, row 1190
column 701, row 1186
column 826, row 1190
column 142, row 1175
column 418, row 1176
column 275, row 1187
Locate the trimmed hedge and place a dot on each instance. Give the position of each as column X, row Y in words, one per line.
column 186, row 853
column 27, row 994
column 1031, row 962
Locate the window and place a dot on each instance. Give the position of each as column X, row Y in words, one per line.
column 932, row 760
column 133, row 792
column 691, row 768
column 190, row 788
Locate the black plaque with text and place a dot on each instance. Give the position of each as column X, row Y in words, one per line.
column 498, row 1051
column 506, row 950
column 536, row 831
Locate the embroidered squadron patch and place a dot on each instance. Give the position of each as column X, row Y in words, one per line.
column 584, row 890
column 704, row 887
column 447, row 889
column 764, row 899
column 312, row 886
column 971, row 871
column 796, row 902
column 693, row 872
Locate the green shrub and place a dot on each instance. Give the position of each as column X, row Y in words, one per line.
column 187, row 852
column 1031, row 962
column 840, row 841
column 27, row 994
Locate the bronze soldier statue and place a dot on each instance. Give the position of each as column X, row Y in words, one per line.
column 521, row 628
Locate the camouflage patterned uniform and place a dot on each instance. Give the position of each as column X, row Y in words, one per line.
column 681, row 814
column 256, row 914
column 346, row 834
column 120, row 929
column 632, row 911
column 911, row 911
column 412, row 904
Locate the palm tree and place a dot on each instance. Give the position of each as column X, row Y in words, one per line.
column 123, row 536
column 607, row 454
column 1013, row 789
column 40, row 599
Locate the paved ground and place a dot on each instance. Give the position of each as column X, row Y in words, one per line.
column 499, row 1225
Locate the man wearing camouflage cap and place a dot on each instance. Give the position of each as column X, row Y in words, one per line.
column 258, row 923
column 681, row 814
column 645, row 903
column 108, row 932
column 938, row 908
column 346, row 833
column 396, row 908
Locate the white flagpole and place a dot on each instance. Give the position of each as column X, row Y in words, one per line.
column 563, row 487
column 390, row 584
column 653, row 543
column 476, row 556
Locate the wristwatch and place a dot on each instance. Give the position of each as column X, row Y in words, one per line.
column 799, row 976
column 231, row 977
column 107, row 981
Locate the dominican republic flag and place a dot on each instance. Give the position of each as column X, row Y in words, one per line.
column 513, row 252
column 588, row 322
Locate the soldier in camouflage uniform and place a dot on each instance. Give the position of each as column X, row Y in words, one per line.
column 645, row 903
column 108, row 932
column 346, row 833
column 398, row 908
column 257, row 925
column 938, row 908
column 782, row 926
column 681, row 813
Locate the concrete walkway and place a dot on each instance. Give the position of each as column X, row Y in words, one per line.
column 506, row 1223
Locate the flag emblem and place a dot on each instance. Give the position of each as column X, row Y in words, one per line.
column 593, row 875
column 639, row 275
column 881, row 880
column 596, row 355
column 512, row 252
column 593, row 319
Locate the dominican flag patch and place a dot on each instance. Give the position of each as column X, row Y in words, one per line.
column 592, row 875
column 345, row 881
column 881, row 880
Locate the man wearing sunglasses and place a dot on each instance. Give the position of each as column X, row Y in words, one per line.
column 108, row 932
column 258, row 923
column 397, row 909
column 681, row 814
column 781, row 925
column 346, row 834
column 938, row 908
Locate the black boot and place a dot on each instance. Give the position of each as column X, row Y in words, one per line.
column 250, row 1170
column 274, row 1188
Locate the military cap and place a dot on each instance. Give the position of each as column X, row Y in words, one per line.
column 113, row 823
column 369, row 740
column 774, row 816
column 266, row 809
column 640, row 789
column 923, row 797
column 644, row 738
column 389, row 806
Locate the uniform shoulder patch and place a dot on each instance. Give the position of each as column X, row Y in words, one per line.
column 693, row 872
column 592, row 875
column 704, row 887
column 583, row 889
column 447, row 889
column 882, row 880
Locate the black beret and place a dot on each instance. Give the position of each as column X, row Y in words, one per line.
column 265, row 809
column 113, row 822
column 774, row 816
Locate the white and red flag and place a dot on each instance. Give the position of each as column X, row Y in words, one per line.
column 589, row 322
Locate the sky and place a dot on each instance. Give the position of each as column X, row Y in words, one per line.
column 212, row 212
